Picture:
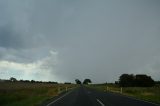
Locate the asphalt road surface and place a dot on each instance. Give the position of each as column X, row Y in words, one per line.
column 83, row 96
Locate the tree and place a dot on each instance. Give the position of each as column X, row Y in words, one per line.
column 157, row 82
column 78, row 81
column 86, row 81
column 13, row 79
column 126, row 80
column 144, row 81
column 116, row 82
column 67, row 83
column 33, row 81
column 140, row 80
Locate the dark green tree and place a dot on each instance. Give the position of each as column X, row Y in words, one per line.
column 144, row 81
column 78, row 81
column 13, row 79
column 140, row 80
column 126, row 80
column 33, row 81
column 86, row 81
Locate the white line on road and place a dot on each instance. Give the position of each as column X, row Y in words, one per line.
column 141, row 100
column 59, row 98
column 133, row 98
column 100, row 102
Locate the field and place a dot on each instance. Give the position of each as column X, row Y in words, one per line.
column 29, row 94
column 151, row 94
column 33, row 94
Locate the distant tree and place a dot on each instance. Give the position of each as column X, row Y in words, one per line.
column 26, row 81
column 54, row 82
column 39, row 81
column 13, row 79
column 127, row 80
column 86, row 81
column 21, row 80
column 67, row 83
column 116, row 82
column 78, row 81
column 157, row 82
column 144, row 81
column 33, row 81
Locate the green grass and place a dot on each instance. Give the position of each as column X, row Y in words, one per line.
column 28, row 94
column 151, row 94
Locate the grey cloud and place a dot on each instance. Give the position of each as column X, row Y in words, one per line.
column 10, row 38
column 94, row 39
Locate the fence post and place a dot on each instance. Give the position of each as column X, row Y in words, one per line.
column 121, row 90
column 66, row 89
column 107, row 88
column 59, row 90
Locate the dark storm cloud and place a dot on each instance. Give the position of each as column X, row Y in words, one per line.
column 10, row 39
column 82, row 39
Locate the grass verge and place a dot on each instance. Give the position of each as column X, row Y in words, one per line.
column 29, row 94
column 151, row 94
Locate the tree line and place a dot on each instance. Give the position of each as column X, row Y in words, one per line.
column 12, row 79
column 86, row 81
column 139, row 80
column 125, row 80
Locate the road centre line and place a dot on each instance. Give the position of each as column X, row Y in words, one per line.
column 100, row 102
column 59, row 98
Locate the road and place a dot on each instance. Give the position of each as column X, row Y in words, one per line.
column 83, row 96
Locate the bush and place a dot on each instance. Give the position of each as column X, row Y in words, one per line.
column 131, row 80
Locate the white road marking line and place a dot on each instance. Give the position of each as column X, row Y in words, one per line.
column 58, row 98
column 141, row 100
column 100, row 102
column 134, row 98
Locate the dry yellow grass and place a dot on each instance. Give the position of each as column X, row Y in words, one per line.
column 28, row 94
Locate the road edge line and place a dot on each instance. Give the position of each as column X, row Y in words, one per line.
column 132, row 97
column 141, row 100
column 100, row 102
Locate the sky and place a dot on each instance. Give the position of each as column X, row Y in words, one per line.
column 64, row 40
